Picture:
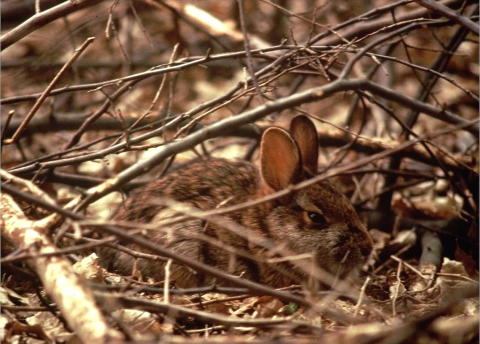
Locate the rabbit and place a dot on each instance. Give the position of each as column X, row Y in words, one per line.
column 317, row 221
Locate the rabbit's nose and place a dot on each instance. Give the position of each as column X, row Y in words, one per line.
column 362, row 239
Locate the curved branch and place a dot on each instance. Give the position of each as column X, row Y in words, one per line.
column 221, row 127
column 414, row 104
column 363, row 28
column 13, row 13
column 308, row 96
column 43, row 18
column 450, row 14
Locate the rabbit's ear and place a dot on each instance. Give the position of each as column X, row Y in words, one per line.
column 281, row 162
column 305, row 134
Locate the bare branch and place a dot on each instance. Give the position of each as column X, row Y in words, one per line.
column 450, row 14
column 43, row 18
column 65, row 287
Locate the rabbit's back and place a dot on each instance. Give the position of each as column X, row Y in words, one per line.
column 203, row 184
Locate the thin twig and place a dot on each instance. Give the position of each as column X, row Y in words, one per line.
column 397, row 288
column 44, row 95
column 361, row 296
column 246, row 43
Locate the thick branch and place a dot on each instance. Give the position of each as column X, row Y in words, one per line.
column 67, row 289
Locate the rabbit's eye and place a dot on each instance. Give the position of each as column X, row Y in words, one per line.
column 316, row 217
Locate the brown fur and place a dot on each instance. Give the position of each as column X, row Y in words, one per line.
column 339, row 244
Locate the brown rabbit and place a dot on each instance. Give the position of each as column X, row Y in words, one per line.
column 316, row 221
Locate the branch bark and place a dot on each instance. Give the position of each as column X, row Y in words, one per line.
column 75, row 301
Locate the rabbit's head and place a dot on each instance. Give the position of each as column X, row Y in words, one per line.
column 318, row 219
